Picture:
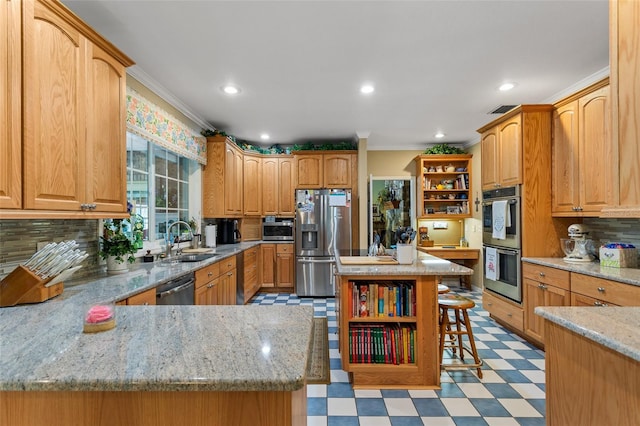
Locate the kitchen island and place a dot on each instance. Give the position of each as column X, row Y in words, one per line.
column 160, row 365
column 388, row 321
column 592, row 365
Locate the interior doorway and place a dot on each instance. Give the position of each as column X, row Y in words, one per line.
column 391, row 205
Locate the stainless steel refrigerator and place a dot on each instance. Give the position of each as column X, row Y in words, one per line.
column 323, row 231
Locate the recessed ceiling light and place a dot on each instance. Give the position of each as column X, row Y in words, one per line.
column 367, row 88
column 439, row 135
column 506, row 86
column 264, row 137
column 230, row 90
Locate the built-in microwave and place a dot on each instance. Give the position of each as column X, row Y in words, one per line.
column 278, row 230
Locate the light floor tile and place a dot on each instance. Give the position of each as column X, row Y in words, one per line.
column 400, row 407
column 339, row 376
column 481, row 345
column 508, row 354
column 438, row 421
column 538, row 363
column 519, row 407
column 536, row 376
column 419, row 393
column 319, row 391
column 490, row 376
column 341, row 407
column 316, row 420
column 528, row 390
column 367, row 393
column 460, row 407
column 501, row 421
column 484, row 337
column 374, row 421
column 334, row 353
column 499, row 364
column 517, row 346
column 475, row 390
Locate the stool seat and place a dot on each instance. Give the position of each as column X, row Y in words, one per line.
column 443, row 289
column 455, row 301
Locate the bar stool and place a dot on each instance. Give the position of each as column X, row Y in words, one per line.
column 442, row 289
column 457, row 329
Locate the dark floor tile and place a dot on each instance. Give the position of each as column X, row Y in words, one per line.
column 513, row 376
column 469, row 421
column 496, row 345
column 430, row 407
column 449, row 390
column 522, row 364
column 395, row 393
column 502, row 390
column 538, row 404
column 340, row 390
column 371, row 407
column 316, row 406
column 531, row 421
column 343, row 421
column 489, row 407
column 405, row 421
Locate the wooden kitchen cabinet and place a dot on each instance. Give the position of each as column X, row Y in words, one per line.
column 325, row 170
column 309, row 170
column 542, row 286
column 228, row 281
column 10, row 106
column 73, row 115
column 222, row 179
column 215, row 284
column 501, row 146
column 435, row 203
column 603, row 292
column 508, row 313
column 582, row 175
column 278, row 186
column 285, row 266
column 147, row 297
column 268, row 254
column 251, row 273
column 337, row 170
column 252, row 185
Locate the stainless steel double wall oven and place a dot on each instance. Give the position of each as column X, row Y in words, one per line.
column 508, row 276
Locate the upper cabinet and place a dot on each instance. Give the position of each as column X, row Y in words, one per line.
column 10, row 106
column 222, row 179
column 278, row 186
column 501, row 146
column 253, row 184
column 73, row 115
column 582, row 175
column 624, row 54
column 444, row 186
column 325, row 170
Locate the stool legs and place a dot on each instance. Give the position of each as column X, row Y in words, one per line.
column 461, row 317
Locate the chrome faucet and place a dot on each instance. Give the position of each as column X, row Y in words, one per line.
column 177, row 239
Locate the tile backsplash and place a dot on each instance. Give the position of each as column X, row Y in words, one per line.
column 603, row 231
column 19, row 239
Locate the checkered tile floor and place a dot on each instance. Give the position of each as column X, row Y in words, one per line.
column 511, row 391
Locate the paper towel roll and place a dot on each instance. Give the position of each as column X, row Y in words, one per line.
column 210, row 233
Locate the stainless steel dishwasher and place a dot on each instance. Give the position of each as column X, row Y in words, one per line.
column 179, row 291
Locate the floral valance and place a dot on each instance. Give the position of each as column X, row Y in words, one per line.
column 153, row 123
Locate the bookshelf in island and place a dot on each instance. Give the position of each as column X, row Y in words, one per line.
column 388, row 322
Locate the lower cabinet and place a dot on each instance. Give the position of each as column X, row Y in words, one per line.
column 593, row 291
column 268, row 255
column 508, row 313
column 216, row 283
column 542, row 286
column 278, row 263
column 147, row 297
column 251, row 275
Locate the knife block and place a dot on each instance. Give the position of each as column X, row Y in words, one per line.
column 23, row 286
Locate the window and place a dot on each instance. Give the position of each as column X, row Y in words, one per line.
column 157, row 185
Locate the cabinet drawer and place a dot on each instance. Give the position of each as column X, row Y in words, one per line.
column 504, row 311
column 145, row 298
column 284, row 248
column 582, row 300
column 227, row 264
column 547, row 275
column 206, row 274
column 607, row 291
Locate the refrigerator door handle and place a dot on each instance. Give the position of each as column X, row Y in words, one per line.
column 303, row 260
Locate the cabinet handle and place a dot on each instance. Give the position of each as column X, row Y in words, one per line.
column 490, row 304
column 599, row 303
column 542, row 286
column 601, row 289
column 145, row 303
column 542, row 274
column 229, row 274
column 509, row 315
column 210, row 285
column 210, row 274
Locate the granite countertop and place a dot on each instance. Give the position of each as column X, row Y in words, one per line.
column 423, row 264
column 613, row 327
column 624, row 275
column 153, row 348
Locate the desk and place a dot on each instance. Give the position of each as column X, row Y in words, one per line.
column 462, row 255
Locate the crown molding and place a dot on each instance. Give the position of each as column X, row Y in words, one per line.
column 145, row 79
column 585, row 82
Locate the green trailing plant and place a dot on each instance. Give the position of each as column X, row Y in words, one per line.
column 445, row 149
column 115, row 242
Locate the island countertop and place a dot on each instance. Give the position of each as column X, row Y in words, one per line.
column 423, row 264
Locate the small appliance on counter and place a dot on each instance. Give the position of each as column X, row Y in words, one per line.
column 577, row 247
column 229, row 232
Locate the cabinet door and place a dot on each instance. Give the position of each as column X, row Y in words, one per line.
column 270, row 186
column 252, row 185
column 286, row 186
column 54, row 111
column 106, row 132
column 539, row 294
column 145, row 298
column 595, row 151
column 268, row 265
column 564, row 157
column 489, row 146
column 238, row 184
column 309, row 171
column 232, row 182
column 10, row 107
column 337, row 171
column 284, row 268
column 510, row 152
column 227, row 288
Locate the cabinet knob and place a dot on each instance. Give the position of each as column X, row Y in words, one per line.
column 145, row 303
column 601, row 289
column 542, row 274
column 599, row 303
column 230, row 274
column 509, row 315
column 210, row 274
column 210, row 285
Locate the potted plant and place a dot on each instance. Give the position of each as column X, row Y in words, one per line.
column 116, row 246
column 444, row 149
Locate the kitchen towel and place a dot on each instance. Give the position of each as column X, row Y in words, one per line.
column 491, row 263
column 500, row 219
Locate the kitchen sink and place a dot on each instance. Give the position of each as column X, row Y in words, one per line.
column 196, row 257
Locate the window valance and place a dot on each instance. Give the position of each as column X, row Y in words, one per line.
column 153, row 123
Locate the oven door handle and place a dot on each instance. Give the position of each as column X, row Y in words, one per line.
column 175, row 289
column 511, row 201
column 509, row 252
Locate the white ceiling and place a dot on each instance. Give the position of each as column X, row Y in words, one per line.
column 435, row 65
